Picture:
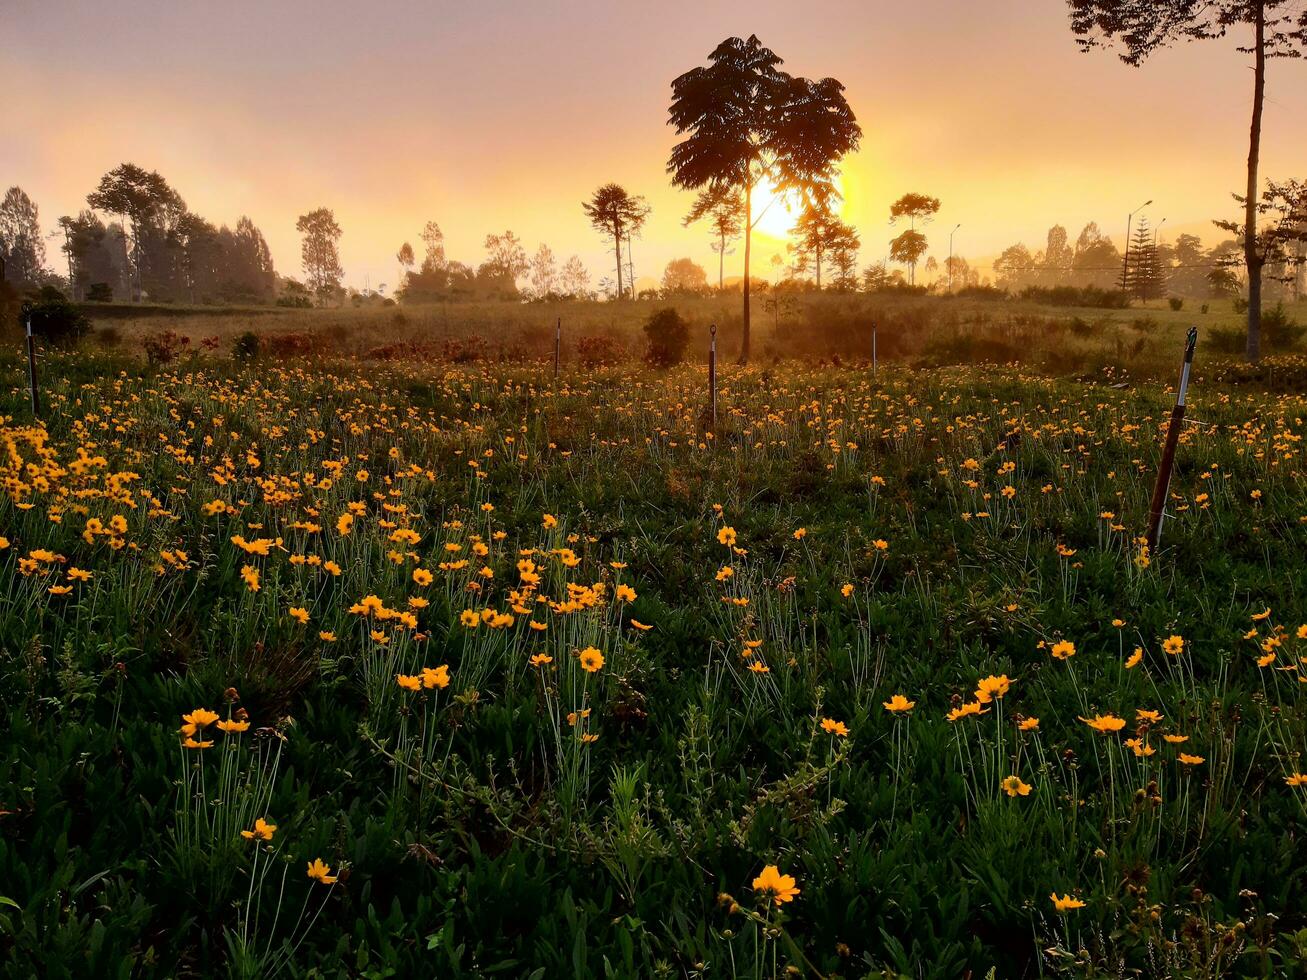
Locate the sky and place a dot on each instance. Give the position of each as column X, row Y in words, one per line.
column 506, row 114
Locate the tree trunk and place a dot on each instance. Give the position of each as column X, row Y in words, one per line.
column 721, row 261
column 748, row 248
column 617, row 244
column 818, row 270
column 1251, row 256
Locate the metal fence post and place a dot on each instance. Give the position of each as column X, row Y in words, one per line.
column 31, row 369
column 712, row 372
column 1163, row 485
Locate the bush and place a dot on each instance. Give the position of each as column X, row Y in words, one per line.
column 100, row 292
column 668, row 336
column 1240, row 305
column 54, row 319
column 1105, row 299
column 164, row 347
column 246, row 346
column 1279, row 333
column 1177, row 303
column 599, row 350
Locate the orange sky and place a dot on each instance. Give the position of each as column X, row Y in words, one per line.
column 503, row 114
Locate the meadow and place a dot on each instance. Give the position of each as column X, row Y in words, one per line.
column 324, row 666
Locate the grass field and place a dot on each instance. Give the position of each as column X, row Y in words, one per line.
column 556, row 679
column 922, row 330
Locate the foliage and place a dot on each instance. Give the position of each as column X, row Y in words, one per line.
column 54, row 319
column 667, row 337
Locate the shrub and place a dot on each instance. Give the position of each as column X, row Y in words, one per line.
column 246, row 346
column 100, row 292
column 1106, row 299
column 164, row 347
column 54, row 319
column 1279, row 333
column 668, row 336
column 1240, row 305
column 599, row 350
column 1177, row 303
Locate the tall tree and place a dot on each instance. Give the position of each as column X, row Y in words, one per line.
column 612, row 211
column 1279, row 30
column 22, row 249
column 544, row 273
column 150, row 208
column 817, row 232
column 723, row 208
column 575, row 280
column 911, row 245
column 318, row 251
column 1015, row 268
column 434, row 241
column 684, row 276
column 505, row 263
column 1279, row 241
column 405, row 259
column 1058, row 258
column 908, row 248
column 1147, row 276
column 747, row 121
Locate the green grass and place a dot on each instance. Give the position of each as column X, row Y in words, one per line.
column 474, row 830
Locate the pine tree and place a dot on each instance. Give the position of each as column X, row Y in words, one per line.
column 1145, row 277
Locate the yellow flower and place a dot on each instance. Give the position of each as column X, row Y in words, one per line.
column 1173, row 645
column 326, row 636
column 422, row 577
column 591, row 660
column 191, row 743
column 833, row 727
column 1063, row 649
column 319, row 871
column 540, row 659
column 1133, row 660
column 435, row 677
column 1105, row 723
column 200, row 718
column 262, row 830
column 1013, row 786
column 846, row 589
column 726, row 536
column 250, row 575
column 1296, row 779
column 636, row 624
column 897, row 703
column 1029, row 724
column 970, row 708
column 299, row 613
column 1191, row 760
column 409, row 682
column 800, row 534
column 233, row 727
column 1066, row 903
column 991, row 688
column 550, row 521
column 624, row 593
column 780, row 887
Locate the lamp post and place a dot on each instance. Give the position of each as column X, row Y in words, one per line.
column 950, row 256
column 1125, row 263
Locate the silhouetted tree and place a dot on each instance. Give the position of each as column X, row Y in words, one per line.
column 22, row 248
column 318, row 252
column 1147, row 277
column 405, row 259
column 914, row 207
column 1095, row 260
column 575, row 280
column 612, row 211
column 684, row 276
column 908, row 248
column 544, row 273
column 817, row 232
column 723, row 207
column 505, row 263
column 1279, row 30
column 749, row 121
column 1279, row 242
column 433, row 239
column 150, row 208
column 1015, row 268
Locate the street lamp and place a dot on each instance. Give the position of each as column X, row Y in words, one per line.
column 1125, row 263
column 950, row 256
